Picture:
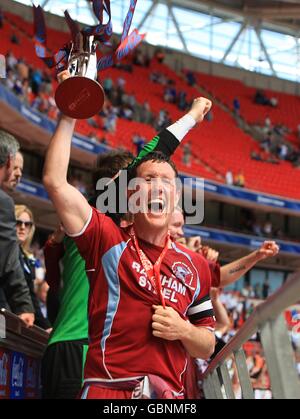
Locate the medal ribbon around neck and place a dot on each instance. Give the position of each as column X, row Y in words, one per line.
column 152, row 271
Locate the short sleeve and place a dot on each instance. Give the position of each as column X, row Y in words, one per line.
column 92, row 238
column 201, row 313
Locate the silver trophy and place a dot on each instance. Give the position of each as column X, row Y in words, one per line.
column 81, row 96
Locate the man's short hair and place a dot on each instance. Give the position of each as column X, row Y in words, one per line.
column 110, row 163
column 156, row 157
column 9, row 146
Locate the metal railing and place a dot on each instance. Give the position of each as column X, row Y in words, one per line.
column 268, row 319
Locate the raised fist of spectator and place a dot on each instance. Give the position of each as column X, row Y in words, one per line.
column 267, row 250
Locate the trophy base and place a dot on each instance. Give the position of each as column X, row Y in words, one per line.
column 79, row 97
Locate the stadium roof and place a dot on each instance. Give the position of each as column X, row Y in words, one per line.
column 257, row 35
column 285, row 13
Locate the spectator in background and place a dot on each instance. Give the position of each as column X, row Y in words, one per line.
column 260, row 98
column 25, row 232
column 283, row 151
column 236, row 106
column 256, row 156
column 190, row 77
column 187, row 154
column 93, row 123
column 22, row 69
column 274, row 102
column 126, row 113
column 15, row 178
column 268, row 124
column 145, row 114
column 257, row 290
column 9, row 81
column 140, row 59
column 110, row 121
column 240, row 179
column 14, row 39
column 163, row 120
column 181, row 101
column 159, row 55
column 266, row 142
column 229, row 178
column 170, row 93
column 268, row 229
column 247, row 291
column 14, row 287
column 121, row 82
column 41, row 103
column 36, row 81
column 108, row 86
column 256, row 228
column 41, row 294
column 131, row 101
column 266, row 289
column 11, row 60
column 93, row 137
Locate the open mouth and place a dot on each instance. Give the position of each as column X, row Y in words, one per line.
column 157, row 206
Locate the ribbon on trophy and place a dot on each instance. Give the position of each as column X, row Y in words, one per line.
column 127, row 43
column 60, row 58
column 101, row 33
column 80, row 96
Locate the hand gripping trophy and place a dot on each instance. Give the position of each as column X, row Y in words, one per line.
column 81, row 96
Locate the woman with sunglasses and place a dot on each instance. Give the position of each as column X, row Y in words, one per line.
column 25, row 232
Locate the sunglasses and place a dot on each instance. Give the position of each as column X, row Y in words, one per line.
column 27, row 224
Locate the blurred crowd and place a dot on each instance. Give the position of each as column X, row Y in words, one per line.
column 23, row 288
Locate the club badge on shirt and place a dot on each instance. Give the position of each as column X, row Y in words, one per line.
column 184, row 274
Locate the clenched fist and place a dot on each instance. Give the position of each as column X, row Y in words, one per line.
column 268, row 249
column 64, row 75
column 167, row 324
column 200, row 107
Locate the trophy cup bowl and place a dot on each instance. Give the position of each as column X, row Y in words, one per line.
column 81, row 96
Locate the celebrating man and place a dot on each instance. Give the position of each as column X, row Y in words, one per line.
column 149, row 301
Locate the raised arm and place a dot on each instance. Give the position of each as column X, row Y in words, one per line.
column 222, row 319
column 71, row 206
column 234, row 271
column 170, row 138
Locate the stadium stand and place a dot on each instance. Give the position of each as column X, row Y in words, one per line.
column 222, row 145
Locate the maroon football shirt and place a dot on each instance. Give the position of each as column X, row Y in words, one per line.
column 121, row 298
